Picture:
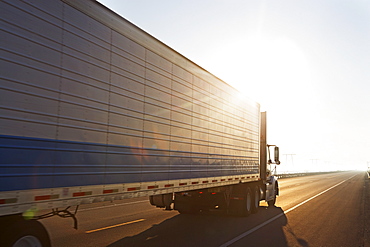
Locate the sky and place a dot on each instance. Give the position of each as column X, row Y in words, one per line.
column 306, row 62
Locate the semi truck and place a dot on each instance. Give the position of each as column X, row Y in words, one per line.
column 93, row 109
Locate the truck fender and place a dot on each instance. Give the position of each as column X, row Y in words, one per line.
column 272, row 188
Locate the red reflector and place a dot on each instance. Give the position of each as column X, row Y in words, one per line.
column 110, row 191
column 213, row 193
column 194, row 182
column 222, row 180
column 2, row 201
column 82, row 193
column 201, row 192
column 181, row 184
column 205, row 182
column 230, row 179
column 46, row 197
column 152, row 187
column 213, row 181
column 41, row 198
column 131, row 189
column 78, row 194
column 168, row 185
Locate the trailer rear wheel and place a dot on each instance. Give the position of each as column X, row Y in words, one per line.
column 256, row 199
column 186, row 203
column 186, row 208
column 248, row 203
column 25, row 233
column 241, row 205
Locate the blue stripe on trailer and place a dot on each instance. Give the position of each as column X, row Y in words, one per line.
column 33, row 163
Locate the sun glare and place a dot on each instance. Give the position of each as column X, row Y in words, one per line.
column 260, row 67
column 276, row 66
column 274, row 73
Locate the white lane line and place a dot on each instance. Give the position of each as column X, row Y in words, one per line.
column 113, row 205
column 278, row 216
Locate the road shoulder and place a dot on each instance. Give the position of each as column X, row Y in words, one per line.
column 367, row 212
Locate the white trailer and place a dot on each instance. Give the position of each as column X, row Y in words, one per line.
column 92, row 109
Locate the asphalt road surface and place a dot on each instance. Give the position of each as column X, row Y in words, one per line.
column 321, row 210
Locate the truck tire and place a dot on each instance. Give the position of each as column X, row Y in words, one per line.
column 186, row 208
column 185, row 204
column 272, row 202
column 241, row 207
column 249, row 202
column 25, row 233
column 256, row 199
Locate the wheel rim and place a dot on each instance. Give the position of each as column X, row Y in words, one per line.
column 28, row 241
column 256, row 199
column 249, row 203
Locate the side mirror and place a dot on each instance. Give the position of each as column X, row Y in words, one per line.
column 276, row 154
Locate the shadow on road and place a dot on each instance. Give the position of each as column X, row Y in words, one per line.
column 213, row 229
column 274, row 233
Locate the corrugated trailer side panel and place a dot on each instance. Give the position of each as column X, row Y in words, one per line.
column 88, row 99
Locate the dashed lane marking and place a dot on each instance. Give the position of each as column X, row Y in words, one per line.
column 109, row 227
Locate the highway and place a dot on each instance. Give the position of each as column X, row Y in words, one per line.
column 322, row 210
